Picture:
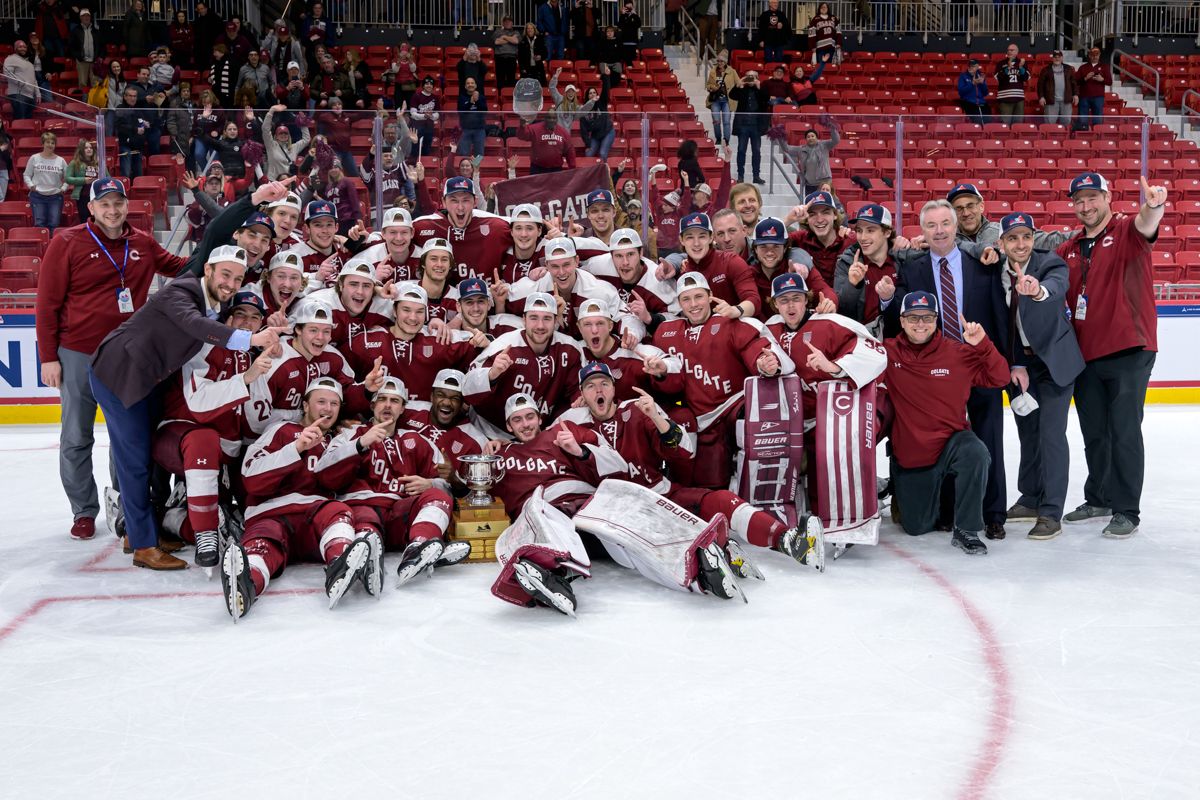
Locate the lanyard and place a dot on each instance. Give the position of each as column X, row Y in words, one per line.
column 120, row 269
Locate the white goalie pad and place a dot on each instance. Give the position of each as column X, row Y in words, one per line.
column 846, row 495
column 646, row 532
column 541, row 534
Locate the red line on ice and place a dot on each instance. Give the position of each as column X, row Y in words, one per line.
column 1001, row 713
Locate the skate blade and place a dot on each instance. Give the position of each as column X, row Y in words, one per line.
column 373, row 581
column 407, row 572
column 453, row 553
column 531, row 582
column 741, row 564
column 816, row 554
column 727, row 572
column 233, row 563
column 356, row 557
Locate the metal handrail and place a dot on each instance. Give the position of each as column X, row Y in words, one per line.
column 685, row 20
column 777, row 165
column 1157, row 85
column 1185, row 108
column 1082, row 38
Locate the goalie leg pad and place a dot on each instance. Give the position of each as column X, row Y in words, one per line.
column 543, row 535
column 772, row 440
column 847, row 500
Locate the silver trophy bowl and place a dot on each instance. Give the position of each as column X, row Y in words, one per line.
column 481, row 473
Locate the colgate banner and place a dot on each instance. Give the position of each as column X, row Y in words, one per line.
column 556, row 193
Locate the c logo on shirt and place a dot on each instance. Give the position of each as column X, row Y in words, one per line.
column 134, row 255
column 1107, row 241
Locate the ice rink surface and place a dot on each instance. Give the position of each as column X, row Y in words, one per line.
column 1061, row 669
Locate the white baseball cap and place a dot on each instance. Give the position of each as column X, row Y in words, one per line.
column 291, row 200
column 288, row 259
column 360, row 267
column 561, row 247
column 313, row 311
column 623, row 239
column 540, row 301
column 437, row 244
column 592, row 308
column 226, row 253
column 449, row 379
column 411, row 292
column 293, row 65
column 519, row 402
column 527, row 212
column 324, row 382
column 703, row 188
column 692, row 280
column 393, row 386
column 397, row 217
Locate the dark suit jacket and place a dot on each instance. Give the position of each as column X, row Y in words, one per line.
column 157, row 340
column 983, row 296
column 1046, row 324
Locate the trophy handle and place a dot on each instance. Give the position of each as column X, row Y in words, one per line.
column 460, row 477
column 500, row 473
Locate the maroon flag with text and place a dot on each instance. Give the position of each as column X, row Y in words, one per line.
column 556, row 193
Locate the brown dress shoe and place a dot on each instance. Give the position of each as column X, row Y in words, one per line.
column 170, row 545
column 125, row 548
column 1045, row 528
column 994, row 530
column 153, row 558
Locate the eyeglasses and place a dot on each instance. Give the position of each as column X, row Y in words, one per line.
column 922, row 319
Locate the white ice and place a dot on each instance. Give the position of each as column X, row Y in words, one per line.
column 1061, row 669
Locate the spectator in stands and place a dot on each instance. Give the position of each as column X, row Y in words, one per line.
column 250, row 126
column 532, row 53
column 177, row 120
column 257, row 73
column 973, row 92
column 803, row 92
column 328, row 82
column 135, row 30
column 208, row 26
column 182, row 37
column 1093, row 78
column 774, row 33
column 611, row 53
column 404, row 73
column 750, row 122
column 281, row 49
column 238, row 41
column 395, row 177
column 596, row 126
column 779, row 88
column 45, row 178
column 228, row 149
column 281, row 151
column 504, row 44
column 720, row 82
column 315, row 31
column 627, row 194
column 163, row 73
column 1057, row 93
column 43, row 63
column 50, row 26
column 358, row 74
column 208, row 123
column 690, row 173
column 552, row 23
column 566, row 103
column 337, row 189
column 22, row 81
column 825, row 34
column 629, row 28
column 80, row 173
column 423, row 111
column 86, row 47
column 221, row 76
column 1011, row 77
column 472, row 119
column 206, row 205
column 293, row 92
column 334, row 125
column 549, row 144
column 6, row 159
column 133, row 126
column 708, row 22
column 812, row 158
column 114, row 92
column 585, row 23
column 469, row 66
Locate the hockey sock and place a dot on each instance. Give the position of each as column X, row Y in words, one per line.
column 201, row 452
column 757, row 527
column 433, row 518
column 265, row 558
column 336, row 539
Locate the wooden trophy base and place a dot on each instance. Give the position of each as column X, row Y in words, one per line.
column 481, row 526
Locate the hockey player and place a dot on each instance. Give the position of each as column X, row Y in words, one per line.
column 536, row 360
column 307, row 355
column 282, row 286
column 285, row 216
column 395, row 259
column 633, row 369
column 476, row 311
column 601, row 215
column 436, row 270
column 390, row 479
column 480, row 239
column 734, row 292
column 864, row 267
column 566, row 280
column 821, row 235
column 444, row 422
column 356, row 308
column 633, row 276
column 769, row 257
column 408, row 349
column 528, row 227
column 289, row 519
column 203, row 424
column 320, row 246
column 255, row 236
column 718, row 354
column 645, row 437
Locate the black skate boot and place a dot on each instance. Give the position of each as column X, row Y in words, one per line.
column 207, row 549
column 372, row 576
column 805, row 543
column 417, row 557
column 715, row 575
column 347, row 568
column 547, row 588
column 236, row 583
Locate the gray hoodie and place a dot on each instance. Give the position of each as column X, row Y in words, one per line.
column 812, row 160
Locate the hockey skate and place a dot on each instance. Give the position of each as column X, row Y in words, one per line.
column 236, row 583
column 547, row 588
column 417, row 557
column 453, row 553
column 206, row 549
column 372, row 576
column 344, row 570
column 742, row 566
column 805, row 543
column 114, row 515
column 715, row 575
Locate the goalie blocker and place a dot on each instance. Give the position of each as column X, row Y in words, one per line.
column 772, row 460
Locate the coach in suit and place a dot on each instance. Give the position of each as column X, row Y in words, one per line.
column 133, row 361
column 1045, row 360
column 964, row 287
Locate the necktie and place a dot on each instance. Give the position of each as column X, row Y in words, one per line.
column 1014, row 339
column 950, row 323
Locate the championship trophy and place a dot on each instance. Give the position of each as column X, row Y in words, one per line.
column 479, row 518
column 527, row 99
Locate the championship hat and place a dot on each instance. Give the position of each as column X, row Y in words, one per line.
column 312, row 311
column 103, row 186
column 319, row 208
column 820, row 199
column 624, row 239
column 450, row 380
column 245, row 298
column 473, row 287
column 592, row 308
column 437, row 244
column 788, row 283
column 964, row 188
column 562, row 247
column 324, row 382
column 227, row 252
column 519, row 402
column 458, row 183
column 599, row 196
column 540, row 301
column 594, row 369
column 1088, row 180
column 360, row 267
column 671, row 198
column 260, row 219
column 1016, row 220
column 411, row 292
column 290, row 200
column 286, row 259
column 770, row 230
column 692, row 280
column 698, row 221
column 397, row 218
column 873, row 213
column 918, row 301
column 393, row 386
column 703, row 188
column 527, row 212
